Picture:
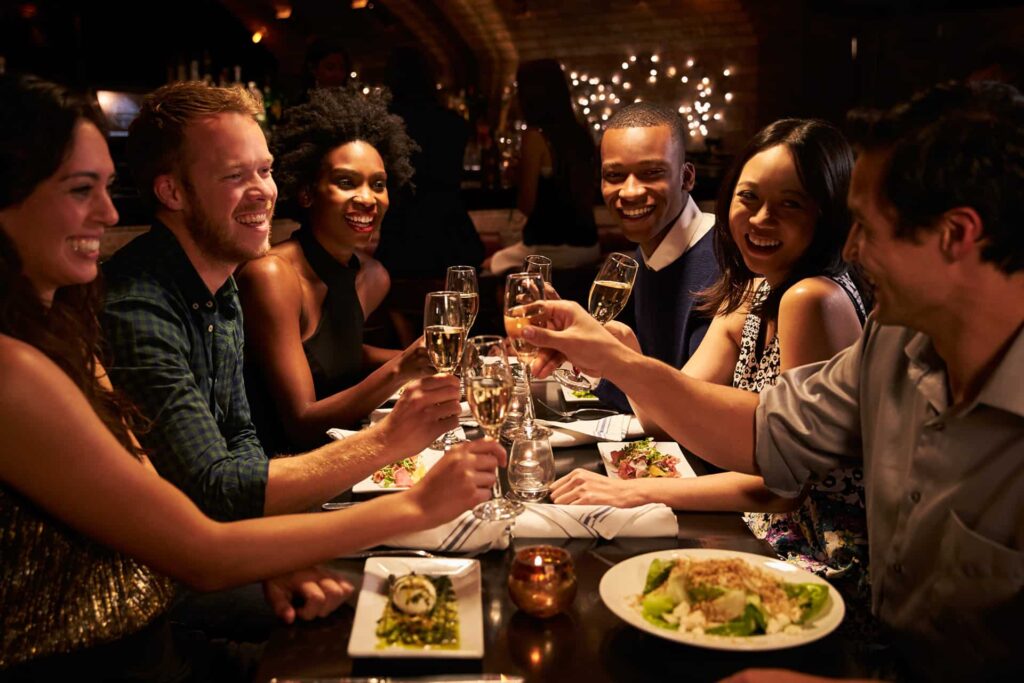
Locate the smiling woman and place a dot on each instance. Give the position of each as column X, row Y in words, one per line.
column 305, row 303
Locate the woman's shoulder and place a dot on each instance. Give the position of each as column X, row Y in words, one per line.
column 816, row 298
column 26, row 369
column 372, row 272
column 278, row 268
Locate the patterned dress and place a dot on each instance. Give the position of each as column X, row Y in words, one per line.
column 827, row 534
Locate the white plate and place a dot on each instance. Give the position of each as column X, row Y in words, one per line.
column 606, row 449
column 576, row 400
column 465, row 576
column 622, row 583
column 428, row 457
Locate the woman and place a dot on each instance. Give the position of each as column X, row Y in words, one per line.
column 306, row 301
column 90, row 535
column 785, row 298
column 557, row 174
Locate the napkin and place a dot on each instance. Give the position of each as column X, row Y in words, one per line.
column 468, row 534
column 580, row 432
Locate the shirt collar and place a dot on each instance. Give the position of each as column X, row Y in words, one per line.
column 180, row 268
column 684, row 233
column 1002, row 390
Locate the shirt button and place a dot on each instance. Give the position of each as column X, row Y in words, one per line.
column 915, row 496
column 209, row 304
column 210, row 328
column 195, row 307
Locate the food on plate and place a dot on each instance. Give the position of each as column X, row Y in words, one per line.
column 401, row 474
column 583, row 393
column 422, row 612
column 642, row 459
column 726, row 597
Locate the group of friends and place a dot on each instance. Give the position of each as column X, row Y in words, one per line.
column 142, row 446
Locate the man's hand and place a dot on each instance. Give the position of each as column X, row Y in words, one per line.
column 319, row 590
column 427, row 408
column 412, row 363
column 783, row 676
column 460, row 480
column 571, row 333
column 583, row 487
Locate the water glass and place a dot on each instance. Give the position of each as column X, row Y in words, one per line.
column 531, row 470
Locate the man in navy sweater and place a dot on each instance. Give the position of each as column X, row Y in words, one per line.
column 646, row 183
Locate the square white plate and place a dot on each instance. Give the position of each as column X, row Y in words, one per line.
column 429, row 458
column 571, row 398
column 373, row 598
column 606, row 448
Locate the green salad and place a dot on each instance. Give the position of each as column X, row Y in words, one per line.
column 726, row 597
column 422, row 613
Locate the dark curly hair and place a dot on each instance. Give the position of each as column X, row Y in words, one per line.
column 334, row 117
column 956, row 144
column 824, row 162
column 37, row 129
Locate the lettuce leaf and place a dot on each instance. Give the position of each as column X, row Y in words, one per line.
column 657, row 573
column 811, row 597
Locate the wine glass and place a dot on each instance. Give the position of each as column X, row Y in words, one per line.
column 444, row 334
column 531, row 470
column 535, row 263
column 608, row 296
column 489, row 386
column 524, row 304
column 462, row 279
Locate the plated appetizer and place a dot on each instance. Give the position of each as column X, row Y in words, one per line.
column 726, row 597
column 401, row 474
column 643, row 459
column 421, row 612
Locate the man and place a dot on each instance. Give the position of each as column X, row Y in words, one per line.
column 646, row 183
column 930, row 397
column 174, row 323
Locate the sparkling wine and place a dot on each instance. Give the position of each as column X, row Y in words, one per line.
column 444, row 346
column 607, row 299
column 488, row 398
column 470, row 307
column 516, row 320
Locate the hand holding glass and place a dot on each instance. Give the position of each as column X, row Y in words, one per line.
column 444, row 334
column 524, row 306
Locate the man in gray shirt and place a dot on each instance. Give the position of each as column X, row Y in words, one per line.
column 930, row 398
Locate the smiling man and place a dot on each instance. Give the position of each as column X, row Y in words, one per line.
column 174, row 323
column 646, row 183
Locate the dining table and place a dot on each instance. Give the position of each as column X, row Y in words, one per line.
column 587, row 642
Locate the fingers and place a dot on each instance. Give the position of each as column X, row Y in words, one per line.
column 313, row 599
column 280, row 601
column 547, row 361
column 550, row 293
column 488, row 446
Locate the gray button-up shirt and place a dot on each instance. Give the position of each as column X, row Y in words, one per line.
column 944, row 483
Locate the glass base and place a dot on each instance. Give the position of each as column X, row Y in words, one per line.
column 532, row 431
column 572, row 381
column 527, row 496
column 446, row 441
column 498, row 509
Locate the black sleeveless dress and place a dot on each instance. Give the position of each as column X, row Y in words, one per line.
column 334, row 351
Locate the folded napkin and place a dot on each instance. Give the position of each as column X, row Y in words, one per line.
column 469, row 534
column 580, row 432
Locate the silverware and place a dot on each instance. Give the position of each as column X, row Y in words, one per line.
column 579, row 413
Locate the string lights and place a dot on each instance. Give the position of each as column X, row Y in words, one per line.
column 699, row 95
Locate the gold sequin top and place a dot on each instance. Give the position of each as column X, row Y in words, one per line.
column 61, row 592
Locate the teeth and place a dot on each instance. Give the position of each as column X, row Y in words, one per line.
column 637, row 213
column 760, row 242
column 362, row 220
column 85, row 245
column 252, row 219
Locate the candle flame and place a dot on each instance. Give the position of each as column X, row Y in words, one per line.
column 538, row 561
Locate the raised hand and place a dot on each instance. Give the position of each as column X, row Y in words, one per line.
column 412, row 363
column 460, row 480
column 427, row 408
column 569, row 332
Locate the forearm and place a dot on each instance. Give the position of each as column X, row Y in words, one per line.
column 715, row 421
column 723, row 492
column 301, row 482
column 374, row 355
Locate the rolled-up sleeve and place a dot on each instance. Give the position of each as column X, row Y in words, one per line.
column 809, row 422
column 217, row 462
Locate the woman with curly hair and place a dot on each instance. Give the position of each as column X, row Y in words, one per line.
column 306, row 301
column 91, row 537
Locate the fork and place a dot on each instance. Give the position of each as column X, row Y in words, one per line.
column 579, row 413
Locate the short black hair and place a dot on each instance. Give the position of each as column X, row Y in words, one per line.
column 650, row 115
column 955, row 144
column 334, row 117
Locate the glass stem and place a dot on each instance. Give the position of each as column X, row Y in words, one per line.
column 528, row 413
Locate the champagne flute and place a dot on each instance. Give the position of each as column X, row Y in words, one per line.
column 524, row 304
column 535, row 263
column 608, row 296
column 462, row 279
column 531, row 470
column 489, row 386
column 444, row 334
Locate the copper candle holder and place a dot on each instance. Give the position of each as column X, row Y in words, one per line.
column 542, row 581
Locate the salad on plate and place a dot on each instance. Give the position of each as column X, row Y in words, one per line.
column 401, row 474
column 641, row 459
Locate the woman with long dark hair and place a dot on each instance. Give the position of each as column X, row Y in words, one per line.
column 90, row 535
column 785, row 298
column 557, row 174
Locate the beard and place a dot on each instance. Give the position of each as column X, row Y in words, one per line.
column 216, row 240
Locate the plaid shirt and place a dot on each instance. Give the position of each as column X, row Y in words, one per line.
column 177, row 353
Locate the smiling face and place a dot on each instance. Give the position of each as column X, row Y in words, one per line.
column 644, row 181
column 56, row 230
column 907, row 276
column 771, row 217
column 350, row 196
column 228, row 189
